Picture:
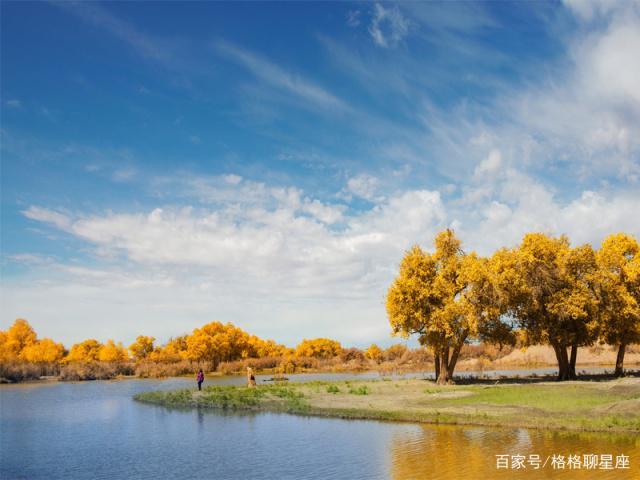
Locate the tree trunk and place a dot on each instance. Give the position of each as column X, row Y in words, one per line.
column 436, row 360
column 443, row 376
column 454, row 356
column 572, row 361
column 620, row 360
column 563, row 361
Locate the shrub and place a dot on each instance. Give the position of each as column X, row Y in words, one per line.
column 76, row 371
column 239, row 366
column 352, row 355
column 150, row 369
column 394, row 352
column 362, row 390
column 488, row 351
column 416, row 356
column 11, row 372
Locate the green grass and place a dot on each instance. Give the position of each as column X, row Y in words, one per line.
column 362, row 390
column 560, row 398
column 229, row 397
column 595, row 406
column 333, row 389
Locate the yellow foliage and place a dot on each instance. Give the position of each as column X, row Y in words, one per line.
column 216, row 342
column 87, row 351
column 113, row 352
column 373, row 353
column 619, row 262
column 6, row 352
column 446, row 298
column 19, row 336
column 174, row 351
column 319, row 348
column 142, row 347
column 43, row 351
column 553, row 296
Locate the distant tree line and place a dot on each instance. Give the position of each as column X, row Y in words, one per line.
column 214, row 346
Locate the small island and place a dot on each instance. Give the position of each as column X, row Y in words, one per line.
column 585, row 405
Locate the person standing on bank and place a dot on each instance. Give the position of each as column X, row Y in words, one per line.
column 200, row 378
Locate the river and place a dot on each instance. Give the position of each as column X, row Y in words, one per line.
column 94, row 430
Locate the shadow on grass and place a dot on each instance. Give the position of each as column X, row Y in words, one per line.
column 534, row 378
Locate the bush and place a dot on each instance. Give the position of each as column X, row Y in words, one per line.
column 151, row 369
column 416, row 356
column 394, row 352
column 363, row 390
column 333, row 389
column 488, row 351
column 11, row 372
column 240, row 366
column 76, row 371
column 354, row 355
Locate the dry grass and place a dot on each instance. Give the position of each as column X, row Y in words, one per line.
column 147, row 369
column 541, row 355
column 13, row 372
column 94, row 371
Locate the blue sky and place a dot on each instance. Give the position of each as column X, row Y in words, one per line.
column 165, row 165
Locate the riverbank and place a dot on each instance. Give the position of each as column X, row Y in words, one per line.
column 506, row 372
column 607, row 405
column 479, row 359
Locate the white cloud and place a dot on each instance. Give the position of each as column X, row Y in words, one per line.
column 14, row 103
column 363, row 185
column 353, row 18
column 31, row 259
column 278, row 77
column 589, row 9
column 57, row 219
column 609, row 64
column 280, row 249
column 579, row 118
column 388, row 26
column 145, row 45
column 232, row 179
column 490, row 164
column 517, row 203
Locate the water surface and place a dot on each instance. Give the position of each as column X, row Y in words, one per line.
column 95, row 430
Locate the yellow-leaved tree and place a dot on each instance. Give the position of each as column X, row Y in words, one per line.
column 43, row 351
column 6, row 354
column 447, row 298
column 142, row 347
column 216, row 342
column 174, row 351
column 551, row 291
column 319, row 348
column 113, row 352
column 87, row 351
column 374, row 353
column 619, row 262
column 19, row 336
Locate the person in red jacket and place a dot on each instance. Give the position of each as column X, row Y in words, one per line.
column 200, row 378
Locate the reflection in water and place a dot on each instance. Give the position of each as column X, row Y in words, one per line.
column 450, row 452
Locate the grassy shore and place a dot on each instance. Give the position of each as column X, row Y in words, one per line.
column 611, row 405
